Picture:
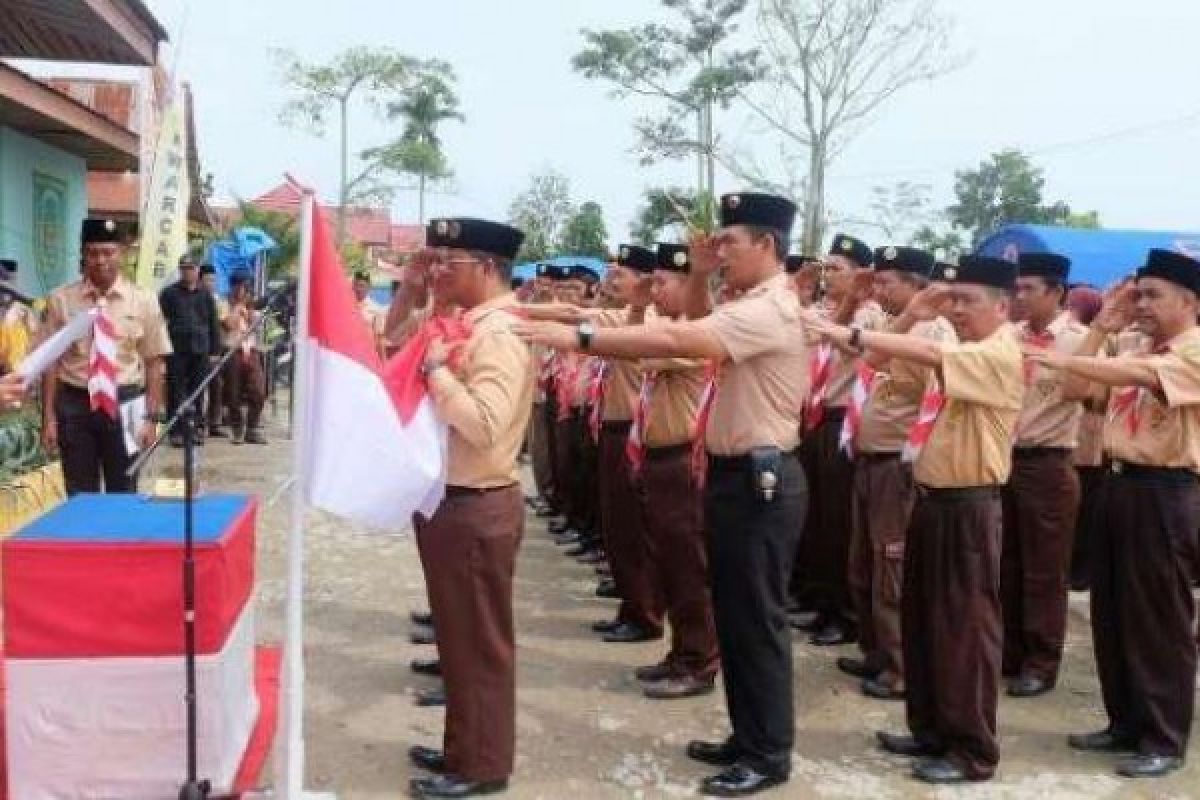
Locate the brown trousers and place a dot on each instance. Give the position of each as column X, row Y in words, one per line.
column 624, row 533
column 245, row 385
column 540, row 445
column 883, row 498
column 469, row 549
column 1041, row 502
column 672, row 505
column 952, row 625
column 1144, row 561
column 822, row 561
column 566, row 458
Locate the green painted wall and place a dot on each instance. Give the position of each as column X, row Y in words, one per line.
column 43, row 200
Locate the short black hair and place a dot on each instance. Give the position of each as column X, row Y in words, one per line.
column 779, row 237
column 1051, row 283
column 502, row 265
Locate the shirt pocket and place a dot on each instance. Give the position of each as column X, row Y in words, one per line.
column 130, row 330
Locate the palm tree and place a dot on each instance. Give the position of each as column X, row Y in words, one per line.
column 418, row 152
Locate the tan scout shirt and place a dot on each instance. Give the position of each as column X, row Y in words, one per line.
column 896, row 395
column 1046, row 419
column 141, row 330
column 487, row 409
column 761, row 389
column 971, row 442
column 1168, row 432
column 869, row 317
column 623, row 378
column 1090, row 451
column 675, row 401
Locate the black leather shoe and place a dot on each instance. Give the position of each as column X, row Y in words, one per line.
column 940, row 770
column 832, row 635
column 1028, row 686
column 422, row 618
column 427, row 758
column 593, row 557
column 430, row 698
column 606, row 625
column 453, row 786
column 607, row 589
column 1105, row 741
column 881, row 689
column 557, row 526
column 722, row 754
column 675, row 687
column 579, row 549
column 740, row 780
column 568, row 537
column 422, row 636
column 625, row 633
column 654, row 673
column 809, row 622
column 1148, row 765
column 858, row 667
column 909, row 746
column 426, row 666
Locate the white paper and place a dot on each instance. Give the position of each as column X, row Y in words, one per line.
column 133, row 416
column 49, row 351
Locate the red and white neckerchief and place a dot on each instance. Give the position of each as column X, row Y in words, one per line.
column 699, row 460
column 564, row 387
column 932, row 402
column 635, row 446
column 546, row 368
column 596, row 397
column 102, row 365
column 820, row 370
column 1042, row 341
column 1128, row 401
column 852, row 423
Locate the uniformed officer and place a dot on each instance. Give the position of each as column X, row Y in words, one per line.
column 92, row 398
column 755, row 492
column 1145, row 547
column 482, row 388
column 951, row 613
column 1041, row 499
column 214, row 403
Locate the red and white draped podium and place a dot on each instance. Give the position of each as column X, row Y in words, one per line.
column 93, row 637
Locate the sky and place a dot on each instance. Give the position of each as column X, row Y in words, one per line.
column 1102, row 93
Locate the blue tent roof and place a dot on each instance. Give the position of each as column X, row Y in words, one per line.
column 528, row 271
column 1098, row 257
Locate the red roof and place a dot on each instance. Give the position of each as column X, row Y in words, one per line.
column 367, row 226
column 407, row 238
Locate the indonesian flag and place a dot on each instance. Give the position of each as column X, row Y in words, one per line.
column 373, row 450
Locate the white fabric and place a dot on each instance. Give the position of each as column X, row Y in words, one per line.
column 115, row 728
column 362, row 462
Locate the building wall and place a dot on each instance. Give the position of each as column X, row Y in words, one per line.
column 43, row 200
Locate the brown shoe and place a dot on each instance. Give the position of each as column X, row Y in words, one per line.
column 653, row 673
column 255, row 436
column 679, row 686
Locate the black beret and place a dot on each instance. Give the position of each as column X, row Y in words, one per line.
column 759, row 210
column 854, row 249
column 556, row 272
column 1174, row 267
column 673, row 258
column 938, row 273
column 96, row 230
column 465, row 233
column 208, row 269
column 638, row 259
column 8, row 265
column 1045, row 265
column 984, row 271
column 905, row 259
column 582, row 272
column 794, row 264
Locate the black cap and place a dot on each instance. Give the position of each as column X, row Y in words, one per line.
column 984, row 271
column 188, row 262
column 208, row 269
column 904, row 259
column 673, row 258
column 583, row 272
column 1174, row 267
column 938, row 273
column 8, row 266
column 1045, row 265
column 636, row 258
column 794, row 264
column 97, row 230
column 556, row 272
column 759, row 210
column 854, row 249
column 465, row 233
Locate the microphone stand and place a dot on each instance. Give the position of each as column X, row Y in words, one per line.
column 185, row 421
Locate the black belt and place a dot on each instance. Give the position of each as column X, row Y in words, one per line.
column 736, row 463
column 957, row 494
column 124, row 393
column 876, row 456
column 471, row 491
column 616, row 425
column 664, row 453
column 1179, row 476
column 1041, row 452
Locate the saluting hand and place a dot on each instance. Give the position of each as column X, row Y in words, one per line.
column 548, row 334
column 442, row 352
column 702, row 250
column 930, row 302
column 1117, row 310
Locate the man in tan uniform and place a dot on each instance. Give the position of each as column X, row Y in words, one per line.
column 1145, row 547
column 1041, row 499
column 951, row 616
column 93, row 441
column 883, row 492
column 755, row 490
column 483, row 390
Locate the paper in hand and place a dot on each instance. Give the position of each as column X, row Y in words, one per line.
column 49, row 351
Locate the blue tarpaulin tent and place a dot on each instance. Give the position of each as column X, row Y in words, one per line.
column 1098, row 257
column 244, row 251
column 528, row 272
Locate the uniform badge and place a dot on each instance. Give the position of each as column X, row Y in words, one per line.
column 847, row 245
column 454, row 229
column 890, row 254
column 733, row 201
column 681, row 259
column 950, row 273
column 110, row 226
column 624, row 255
column 442, row 227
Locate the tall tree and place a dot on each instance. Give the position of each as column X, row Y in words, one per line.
column 542, row 212
column 585, row 233
column 670, row 213
column 691, row 67
column 1007, row 188
column 898, row 211
column 831, row 65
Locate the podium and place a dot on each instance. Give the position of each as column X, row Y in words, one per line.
column 93, row 637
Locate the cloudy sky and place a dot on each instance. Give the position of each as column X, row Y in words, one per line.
column 1103, row 92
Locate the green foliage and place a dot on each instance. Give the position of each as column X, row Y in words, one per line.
column 946, row 245
column 670, row 213
column 284, row 229
column 542, row 212
column 585, row 233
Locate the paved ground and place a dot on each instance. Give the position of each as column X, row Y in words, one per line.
column 584, row 731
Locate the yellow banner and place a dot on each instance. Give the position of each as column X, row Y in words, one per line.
column 164, row 219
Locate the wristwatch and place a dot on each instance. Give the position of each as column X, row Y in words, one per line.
column 856, row 339
column 586, row 331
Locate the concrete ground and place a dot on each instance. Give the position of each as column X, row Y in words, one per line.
column 584, row 731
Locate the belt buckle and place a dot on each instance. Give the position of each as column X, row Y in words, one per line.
column 1116, row 467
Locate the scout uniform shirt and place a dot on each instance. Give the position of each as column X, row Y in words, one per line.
column 1046, row 419
column 488, row 408
column 870, row 317
column 896, row 395
column 679, row 384
column 622, row 378
column 971, row 441
column 761, row 388
column 137, row 317
column 1160, row 430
